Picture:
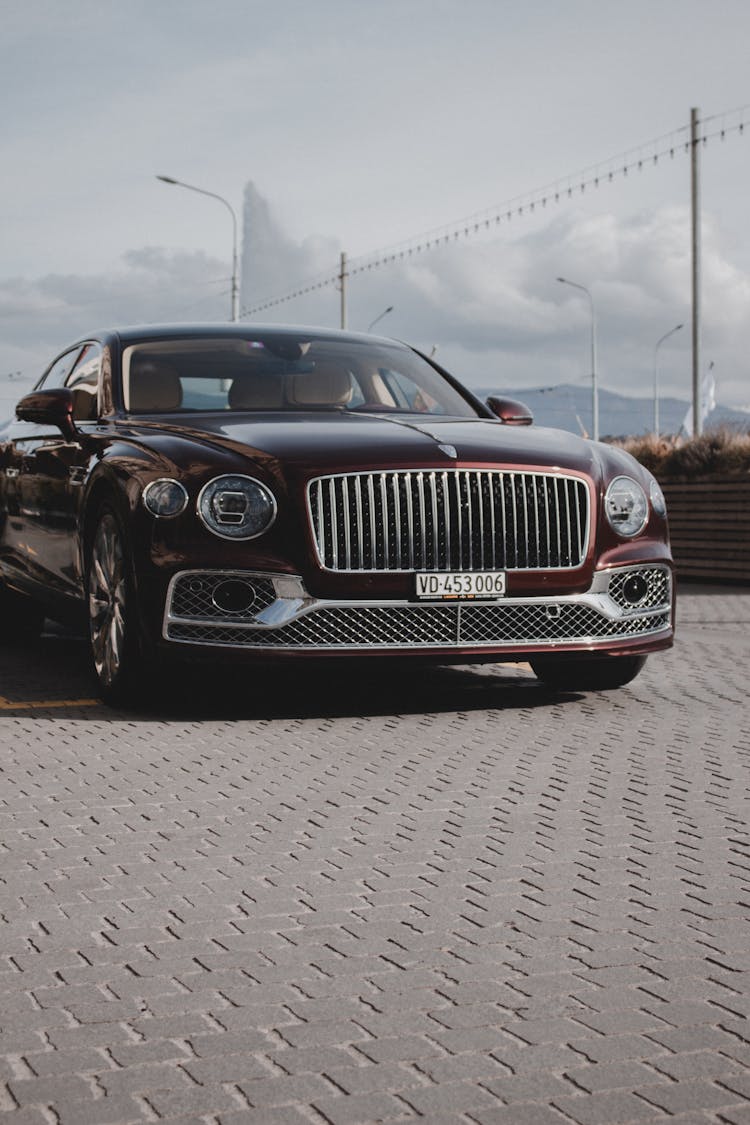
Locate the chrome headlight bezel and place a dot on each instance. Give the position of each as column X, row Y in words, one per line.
column 165, row 498
column 626, row 507
column 239, row 525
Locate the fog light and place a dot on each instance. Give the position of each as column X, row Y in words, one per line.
column 165, row 498
column 233, row 596
column 634, row 588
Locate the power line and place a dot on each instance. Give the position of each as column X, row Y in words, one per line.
column 646, row 155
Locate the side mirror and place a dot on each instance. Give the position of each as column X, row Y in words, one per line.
column 53, row 407
column 510, row 411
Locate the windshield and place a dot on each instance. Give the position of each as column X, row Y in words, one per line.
column 283, row 372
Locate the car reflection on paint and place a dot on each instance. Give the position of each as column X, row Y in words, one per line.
column 243, row 493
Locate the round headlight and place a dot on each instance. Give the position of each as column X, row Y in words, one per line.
column 165, row 498
column 236, row 507
column 626, row 506
column 658, row 503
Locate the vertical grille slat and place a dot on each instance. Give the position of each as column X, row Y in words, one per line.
column 334, row 551
column 493, row 537
column 459, row 519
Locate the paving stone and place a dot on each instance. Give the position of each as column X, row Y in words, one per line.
column 197, row 1100
column 604, row 1076
column 697, row 1064
column 103, row 1111
column 399, row 1049
column 374, row 1078
column 615, row 1108
column 225, row 1068
column 690, row 1095
column 535, row 1086
column 50, row 1062
column 50, row 1091
column 735, row 1115
column 142, row 1079
column 362, row 1109
column 458, row 1097
column 520, row 1114
column 285, row 1090
column 269, row 1115
column 28, row 1115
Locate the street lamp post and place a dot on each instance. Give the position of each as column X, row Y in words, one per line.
column 594, row 382
column 659, row 342
column 212, row 195
column 385, row 312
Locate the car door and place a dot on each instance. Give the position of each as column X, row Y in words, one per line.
column 47, row 471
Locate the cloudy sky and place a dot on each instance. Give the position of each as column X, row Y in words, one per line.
column 346, row 125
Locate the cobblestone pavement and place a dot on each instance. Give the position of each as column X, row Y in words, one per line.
column 450, row 895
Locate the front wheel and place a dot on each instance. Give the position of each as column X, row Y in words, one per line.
column 113, row 628
column 587, row 673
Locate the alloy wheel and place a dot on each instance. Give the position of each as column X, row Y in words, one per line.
column 107, row 600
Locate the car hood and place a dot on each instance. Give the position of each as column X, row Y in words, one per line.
column 341, row 442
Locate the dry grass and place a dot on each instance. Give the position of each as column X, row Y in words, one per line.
column 719, row 452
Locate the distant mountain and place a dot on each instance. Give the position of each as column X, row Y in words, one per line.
column 569, row 408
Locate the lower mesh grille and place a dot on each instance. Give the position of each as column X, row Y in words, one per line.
column 657, row 582
column 372, row 627
column 194, row 594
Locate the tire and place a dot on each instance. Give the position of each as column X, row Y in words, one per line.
column 120, row 665
column 587, row 673
column 21, row 618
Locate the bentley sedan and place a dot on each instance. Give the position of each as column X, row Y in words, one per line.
column 241, row 493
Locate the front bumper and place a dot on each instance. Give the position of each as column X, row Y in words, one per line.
column 281, row 617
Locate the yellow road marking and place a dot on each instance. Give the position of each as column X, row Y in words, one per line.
column 39, row 704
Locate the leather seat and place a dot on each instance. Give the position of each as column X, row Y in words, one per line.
column 257, row 392
column 155, row 388
column 327, row 385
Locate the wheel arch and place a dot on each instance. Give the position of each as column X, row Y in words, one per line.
column 104, row 490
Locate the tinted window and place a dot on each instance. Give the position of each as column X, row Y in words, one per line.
column 284, row 373
column 56, row 375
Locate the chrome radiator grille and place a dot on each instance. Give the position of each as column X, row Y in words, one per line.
column 442, row 520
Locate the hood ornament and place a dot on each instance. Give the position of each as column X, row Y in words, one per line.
column 449, row 451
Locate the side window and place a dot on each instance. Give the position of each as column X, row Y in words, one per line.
column 83, row 380
column 56, row 375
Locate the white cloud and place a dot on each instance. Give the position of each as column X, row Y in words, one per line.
column 491, row 306
column 40, row 317
column 494, row 303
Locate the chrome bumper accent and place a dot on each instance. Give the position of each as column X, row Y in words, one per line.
column 285, row 618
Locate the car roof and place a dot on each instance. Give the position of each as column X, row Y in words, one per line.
column 130, row 334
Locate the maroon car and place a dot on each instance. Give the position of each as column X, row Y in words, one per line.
column 240, row 492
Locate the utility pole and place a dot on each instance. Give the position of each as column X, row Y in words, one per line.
column 342, row 285
column 695, row 208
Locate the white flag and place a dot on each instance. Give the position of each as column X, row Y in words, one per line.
column 707, row 402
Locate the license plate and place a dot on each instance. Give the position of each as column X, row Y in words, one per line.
column 477, row 584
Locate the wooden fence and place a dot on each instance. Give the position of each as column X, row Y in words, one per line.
column 709, row 523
